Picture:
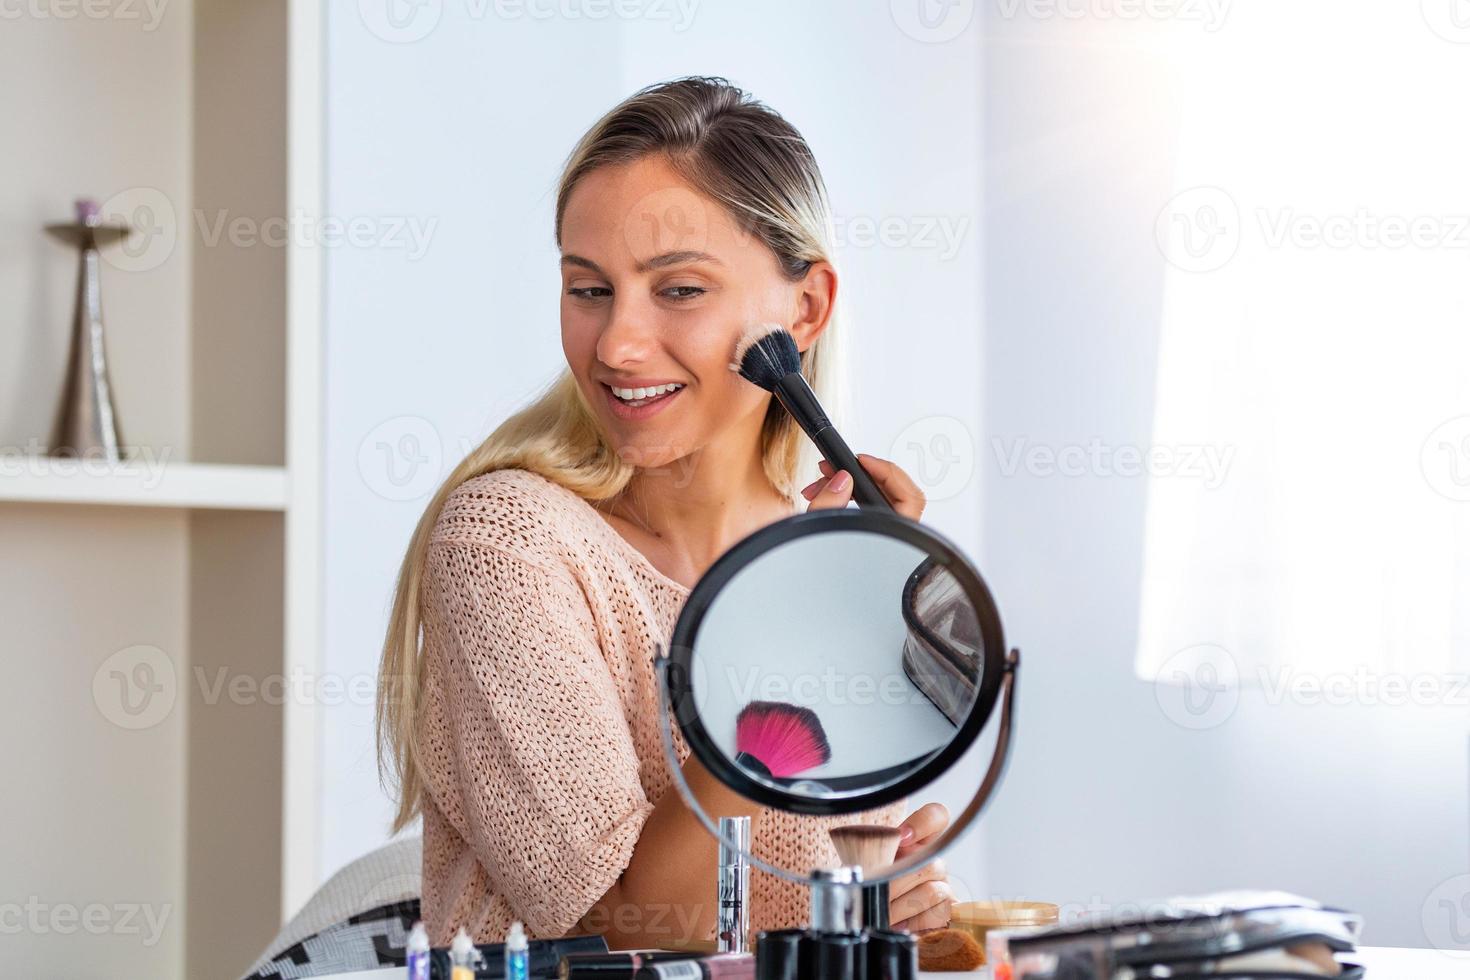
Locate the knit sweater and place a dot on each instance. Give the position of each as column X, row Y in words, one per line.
column 539, row 737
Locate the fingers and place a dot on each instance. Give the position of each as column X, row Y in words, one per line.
column 922, row 826
column 903, row 884
column 925, row 907
column 829, row 492
column 900, row 489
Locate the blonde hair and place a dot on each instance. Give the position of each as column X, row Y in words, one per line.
column 755, row 164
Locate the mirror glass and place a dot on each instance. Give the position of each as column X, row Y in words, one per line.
column 834, row 657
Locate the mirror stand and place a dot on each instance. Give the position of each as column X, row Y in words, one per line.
column 837, row 933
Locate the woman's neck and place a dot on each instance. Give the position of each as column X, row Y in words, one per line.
column 691, row 511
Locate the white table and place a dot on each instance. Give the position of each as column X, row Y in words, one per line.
column 1383, row 963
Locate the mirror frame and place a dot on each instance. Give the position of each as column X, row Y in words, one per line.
column 995, row 664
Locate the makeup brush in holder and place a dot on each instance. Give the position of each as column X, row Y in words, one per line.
column 767, row 357
column 779, row 740
column 870, row 849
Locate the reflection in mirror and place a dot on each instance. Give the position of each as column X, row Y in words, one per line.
column 837, row 663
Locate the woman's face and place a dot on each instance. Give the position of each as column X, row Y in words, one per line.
column 658, row 283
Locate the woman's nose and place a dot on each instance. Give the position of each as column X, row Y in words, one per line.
column 629, row 336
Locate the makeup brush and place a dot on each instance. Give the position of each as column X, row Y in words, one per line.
column 766, row 356
column 871, row 848
column 778, row 739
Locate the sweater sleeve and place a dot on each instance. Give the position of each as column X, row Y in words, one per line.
column 535, row 766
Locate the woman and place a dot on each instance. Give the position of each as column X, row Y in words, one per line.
column 517, row 706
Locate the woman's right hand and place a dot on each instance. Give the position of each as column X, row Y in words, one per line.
column 921, row 899
column 900, row 489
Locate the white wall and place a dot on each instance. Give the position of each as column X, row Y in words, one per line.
column 460, row 122
column 1108, row 800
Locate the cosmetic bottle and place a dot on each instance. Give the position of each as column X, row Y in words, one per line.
column 733, row 928
column 835, row 947
column 517, row 954
column 418, row 952
column 463, row 957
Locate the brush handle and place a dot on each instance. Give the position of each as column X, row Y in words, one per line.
column 797, row 397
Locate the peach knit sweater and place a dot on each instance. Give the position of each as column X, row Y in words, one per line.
column 539, row 725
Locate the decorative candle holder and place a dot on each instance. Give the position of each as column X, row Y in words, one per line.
column 86, row 423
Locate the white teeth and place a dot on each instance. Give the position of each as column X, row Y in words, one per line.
column 638, row 394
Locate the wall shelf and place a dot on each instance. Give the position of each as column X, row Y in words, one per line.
column 168, row 485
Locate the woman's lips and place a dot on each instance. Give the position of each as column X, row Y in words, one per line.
column 637, row 413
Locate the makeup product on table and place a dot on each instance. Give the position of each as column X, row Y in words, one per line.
column 778, row 954
column 892, row 955
column 463, row 957
column 732, row 931
column 418, row 952
column 780, row 740
column 767, row 357
column 870, row 849
column 543, row 957
column 949, row 950
column 980, row 918
column 724, row 966
column 617, row 966
column 517, row 954
column 1236, row 934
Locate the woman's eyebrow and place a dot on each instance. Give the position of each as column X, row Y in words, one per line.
column 657, row 262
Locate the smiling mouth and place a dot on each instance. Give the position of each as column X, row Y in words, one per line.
column 642, row 396
column 638, row 403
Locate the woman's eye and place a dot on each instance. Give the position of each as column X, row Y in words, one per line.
column 589, row 292
column 684, row 292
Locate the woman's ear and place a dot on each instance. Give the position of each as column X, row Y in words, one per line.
column 816, row 295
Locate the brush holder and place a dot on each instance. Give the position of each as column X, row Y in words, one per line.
column 832, row 663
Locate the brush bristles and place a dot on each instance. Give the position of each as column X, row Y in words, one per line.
column 765, row 354
column 865, row 846
column 785, row 738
